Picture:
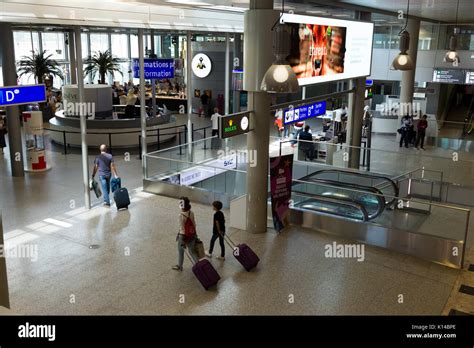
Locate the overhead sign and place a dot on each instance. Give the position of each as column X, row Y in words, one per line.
column 18, row 95
column 448, row 76
column 469, row 78
column 326, row 49
column 155, row 69
column 201, row 65
column 232, row 125
column 304, row 112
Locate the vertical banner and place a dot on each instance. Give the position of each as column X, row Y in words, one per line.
column 281, row 176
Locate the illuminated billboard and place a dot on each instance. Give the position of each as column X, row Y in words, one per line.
column 326, row 49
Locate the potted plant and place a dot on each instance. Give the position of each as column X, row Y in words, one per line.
column 102, row 63
column 39, row 65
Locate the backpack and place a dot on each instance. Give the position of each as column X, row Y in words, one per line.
column 189, row 229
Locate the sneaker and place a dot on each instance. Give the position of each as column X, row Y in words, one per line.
column 107, row 205
column 177, row 268
column 220, row 258
column 208, row 254
column 423, row 148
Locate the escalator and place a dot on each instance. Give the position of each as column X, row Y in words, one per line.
column 352, row 195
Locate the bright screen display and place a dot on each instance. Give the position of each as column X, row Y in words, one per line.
column 325, row 49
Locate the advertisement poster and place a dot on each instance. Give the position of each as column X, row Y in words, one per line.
column 319, row 49
column 328, row 49
column 281, row 176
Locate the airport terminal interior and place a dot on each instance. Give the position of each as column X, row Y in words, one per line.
column 326, row 146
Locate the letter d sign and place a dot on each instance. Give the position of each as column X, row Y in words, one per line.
column 10, row 96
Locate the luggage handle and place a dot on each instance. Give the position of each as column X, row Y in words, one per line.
column 230, row 242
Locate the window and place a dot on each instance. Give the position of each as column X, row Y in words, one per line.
column 120, row 45
column 85, row 45
column 134, row 45
column 99, row 42
column 25, row 42
column 53, row 44
column 428, row 36
column 382, row 36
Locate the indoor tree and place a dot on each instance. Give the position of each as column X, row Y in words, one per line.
column 102, row 63
column 39, row 65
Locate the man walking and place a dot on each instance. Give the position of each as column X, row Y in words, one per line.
column 104, row 163
column 215, row 143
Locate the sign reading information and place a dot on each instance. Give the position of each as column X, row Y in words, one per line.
column 154, row 68
column 17, row 95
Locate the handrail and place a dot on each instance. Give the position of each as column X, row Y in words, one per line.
column 370, row 176
column 368, row 190
column 341, row 201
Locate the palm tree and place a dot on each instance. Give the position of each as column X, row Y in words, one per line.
column 39, row 65
column 102, row 63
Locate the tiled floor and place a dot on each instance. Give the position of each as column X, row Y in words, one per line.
column 107, row 281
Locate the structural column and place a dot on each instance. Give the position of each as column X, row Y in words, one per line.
column 227, row 75
column 408, row 76
column 356, row 113
column 82, row 117
column 141, row 58
column 189, row 93
column 258, row 58
column 72, row 57
column 237, row 65
column 13, row 112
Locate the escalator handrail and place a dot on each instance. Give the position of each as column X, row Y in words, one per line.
column 369, row 189
column 341, row 201
column 371, row 176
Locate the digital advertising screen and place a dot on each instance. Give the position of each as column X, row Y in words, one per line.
column 325, row 49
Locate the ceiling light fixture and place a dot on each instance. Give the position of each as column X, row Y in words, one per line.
column 280, row 77
column 452, row 55
column 403, row 61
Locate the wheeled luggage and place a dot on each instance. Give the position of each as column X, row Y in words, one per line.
column 115, row 184
column 244, row 254
column 121, row 198
column 205, row 273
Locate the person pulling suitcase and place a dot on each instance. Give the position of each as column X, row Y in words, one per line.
column 218, row 230
column 104, row 164
column 186, row 237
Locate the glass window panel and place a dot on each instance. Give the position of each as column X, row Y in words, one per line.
column 395, row 38
column 382, row 36
column 99, row 42
column 120, row 45
column 53, row 43
column 84, row 46
column 428, row 37
column 23, row 44
column 134, row 45
column 125, row 77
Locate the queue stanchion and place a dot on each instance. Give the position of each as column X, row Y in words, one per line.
column 140, row 147
column 192, row 132
column 205, row 141
column 110, row 143
column 64, row 142
column 179, row 140
column 158, row 139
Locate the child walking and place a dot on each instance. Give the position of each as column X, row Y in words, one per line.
column 218, row 230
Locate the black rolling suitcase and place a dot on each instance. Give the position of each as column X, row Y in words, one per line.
column 121, row 198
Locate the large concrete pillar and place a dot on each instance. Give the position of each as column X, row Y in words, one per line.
column 258, row 58
column 227, row 75
column 141, row 59
column 7, row 57
column 83, row 118
column 408, row 77
column 189, row 93
column 356, row 113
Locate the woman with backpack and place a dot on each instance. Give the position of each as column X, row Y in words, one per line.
column 186, row 237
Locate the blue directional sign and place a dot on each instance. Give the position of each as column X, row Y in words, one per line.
column 154, row 68
column 17, row 95
column 304, row 112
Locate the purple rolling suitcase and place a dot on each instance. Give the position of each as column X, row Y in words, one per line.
column 244, row 254
column 205, row 273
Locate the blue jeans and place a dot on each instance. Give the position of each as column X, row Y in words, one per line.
column 181, row 247
column 296, row 133
column 105, row 182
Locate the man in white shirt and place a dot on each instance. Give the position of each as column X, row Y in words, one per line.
column 215, row 144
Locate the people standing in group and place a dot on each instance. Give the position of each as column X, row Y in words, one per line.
column 186, row 237
column 3, row 132
column 218, row 230
column 421, row 132
column 104, row 164
column 215, row 143
column 406, row 124
column 306, row 143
